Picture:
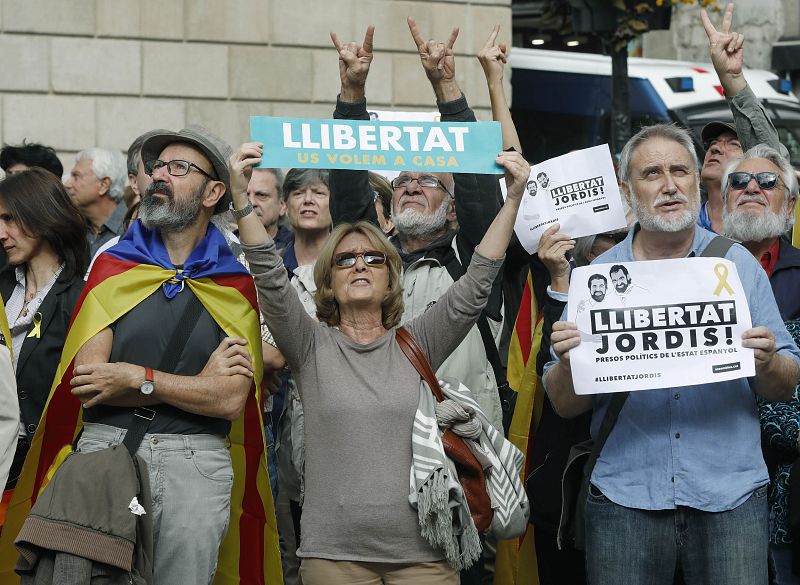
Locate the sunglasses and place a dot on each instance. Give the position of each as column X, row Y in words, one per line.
column 766, row 180
column 347, row 259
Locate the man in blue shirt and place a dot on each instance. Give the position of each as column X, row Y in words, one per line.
column 681, row 481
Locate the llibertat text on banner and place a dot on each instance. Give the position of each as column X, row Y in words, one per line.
column 658, row 324
column 453, row 147
column 577, row 190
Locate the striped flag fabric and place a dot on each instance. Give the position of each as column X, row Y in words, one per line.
column 123, row 277
column 516, row 562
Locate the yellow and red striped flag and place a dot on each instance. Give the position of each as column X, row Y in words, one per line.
column 516, row 559
column 122, row 278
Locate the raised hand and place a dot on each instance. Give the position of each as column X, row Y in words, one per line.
column 553, row 248
column 493, row 57
column 354, row 59
column 240, row 165
column 517, row 172
column 436, row 57
column 726, row 48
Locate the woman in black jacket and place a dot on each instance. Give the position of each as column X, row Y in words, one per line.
column 44, row 236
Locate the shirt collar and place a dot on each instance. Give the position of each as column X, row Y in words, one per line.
column 701, row 238
column 114, row 221
column 770, row 257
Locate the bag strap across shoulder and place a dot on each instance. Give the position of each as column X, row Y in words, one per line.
column 142, row 416
column 418, row 360
column 717, row 247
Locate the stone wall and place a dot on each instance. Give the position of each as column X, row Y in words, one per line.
column 82, row 73
column 761, row 21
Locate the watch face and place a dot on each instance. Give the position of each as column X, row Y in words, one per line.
column 147, row 387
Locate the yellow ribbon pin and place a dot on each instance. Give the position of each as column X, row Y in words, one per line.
column 37, row 326
column 722, row 274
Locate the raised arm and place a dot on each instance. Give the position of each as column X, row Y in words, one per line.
column 493, row 58
column 477, row 197
column 284, row 315
column 350, row 194
column 726, row 48
column 442, row 327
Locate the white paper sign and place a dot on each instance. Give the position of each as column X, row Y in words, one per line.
column 658, row 324
column 577, row 190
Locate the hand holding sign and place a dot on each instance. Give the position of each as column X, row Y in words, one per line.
column 762, row 342
column 565, row 337
column 517, row 172
column 553, row 248
column 354, row 60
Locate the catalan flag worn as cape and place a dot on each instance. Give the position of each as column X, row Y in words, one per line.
column 516, row 559
column 122, row 278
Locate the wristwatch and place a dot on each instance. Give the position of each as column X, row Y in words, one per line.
column 243, row 212
column 147, row 387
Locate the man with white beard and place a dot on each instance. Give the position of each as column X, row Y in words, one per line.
column 424, row 205
column 760, row 192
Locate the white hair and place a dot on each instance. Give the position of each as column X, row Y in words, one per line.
column 108, row 163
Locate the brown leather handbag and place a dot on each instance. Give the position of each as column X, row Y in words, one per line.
column 470, row 472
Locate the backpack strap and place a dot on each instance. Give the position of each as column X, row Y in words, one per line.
column 717, row 247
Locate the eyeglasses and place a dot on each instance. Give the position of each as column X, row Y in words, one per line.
column 766, row 180
column 425, row 181
column 176, row 168
column 347, row 259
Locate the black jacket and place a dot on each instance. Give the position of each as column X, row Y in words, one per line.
column 785, row 281
column 38, row 359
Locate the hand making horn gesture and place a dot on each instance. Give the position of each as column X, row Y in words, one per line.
column 354, row 59
column 437, row 57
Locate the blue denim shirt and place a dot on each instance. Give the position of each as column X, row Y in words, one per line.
column 697, row 446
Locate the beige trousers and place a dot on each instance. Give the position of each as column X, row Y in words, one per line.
column 325, row 572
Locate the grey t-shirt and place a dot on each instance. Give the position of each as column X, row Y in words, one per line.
column 140, row 337
column 359, row 403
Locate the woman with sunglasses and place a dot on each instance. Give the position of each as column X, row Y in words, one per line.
column 44, row 235
column 359, row 391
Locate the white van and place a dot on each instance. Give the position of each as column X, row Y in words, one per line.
column 561, row 101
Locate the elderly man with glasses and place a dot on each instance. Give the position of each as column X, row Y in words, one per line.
column 425, row 206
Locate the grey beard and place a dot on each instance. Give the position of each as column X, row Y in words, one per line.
column 412, row 223
column 655, row 223
column 744, row 227
column 173, row 215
